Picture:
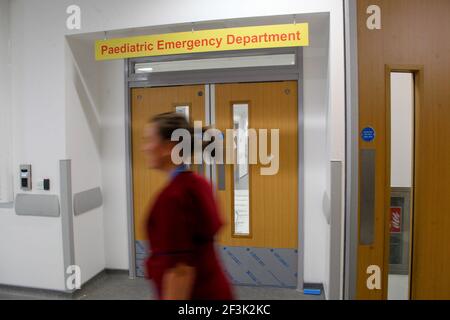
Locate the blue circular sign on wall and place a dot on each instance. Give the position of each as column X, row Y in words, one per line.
column 368, row 134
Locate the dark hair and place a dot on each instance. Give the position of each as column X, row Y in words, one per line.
column 168, row 122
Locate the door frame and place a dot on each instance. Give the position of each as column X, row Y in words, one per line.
column 209, row 78
column 351, row 215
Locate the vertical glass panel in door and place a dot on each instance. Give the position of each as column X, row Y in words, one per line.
column 400, row 214
column 241, row 171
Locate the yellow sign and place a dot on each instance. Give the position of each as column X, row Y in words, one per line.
column 274, row 36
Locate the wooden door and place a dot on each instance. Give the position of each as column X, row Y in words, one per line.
column 411, row 39
column 146, row 103
column 273, row 199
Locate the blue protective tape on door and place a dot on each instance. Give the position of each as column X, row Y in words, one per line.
column 247, row 266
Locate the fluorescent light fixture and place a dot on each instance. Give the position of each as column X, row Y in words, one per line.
column 217, row 63
column 144, row 69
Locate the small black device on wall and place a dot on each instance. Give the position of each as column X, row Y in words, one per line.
column 46, row 184
column 25, row 177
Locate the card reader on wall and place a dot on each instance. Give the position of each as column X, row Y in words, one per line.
column 25, row 177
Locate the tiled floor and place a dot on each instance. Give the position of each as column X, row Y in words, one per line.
column 117, row 286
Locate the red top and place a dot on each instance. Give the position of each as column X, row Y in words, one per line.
column 181, row 228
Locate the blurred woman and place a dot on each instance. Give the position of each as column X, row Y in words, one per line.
column 182, row 223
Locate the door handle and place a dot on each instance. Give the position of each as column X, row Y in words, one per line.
column 221, row 177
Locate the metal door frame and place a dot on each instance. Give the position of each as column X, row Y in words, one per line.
column 351, row 236
column 210, row 78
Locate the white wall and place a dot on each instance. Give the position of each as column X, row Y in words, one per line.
column 6, row 194
column 31, row 247
column 324, row 127
column 46, row 120
column 316, row 142
column 83, row 134
column 113, row 163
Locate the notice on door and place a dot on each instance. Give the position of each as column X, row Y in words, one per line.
column 259, row 37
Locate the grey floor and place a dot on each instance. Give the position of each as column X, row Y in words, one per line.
column 117, row 286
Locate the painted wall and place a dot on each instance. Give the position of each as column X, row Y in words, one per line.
column 316, row 71
column 51, row 99
column 113, row 163
column 6, row 194
column 83, row 147
column 31, row 247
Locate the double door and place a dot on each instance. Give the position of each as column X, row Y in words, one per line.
column 256, row 183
